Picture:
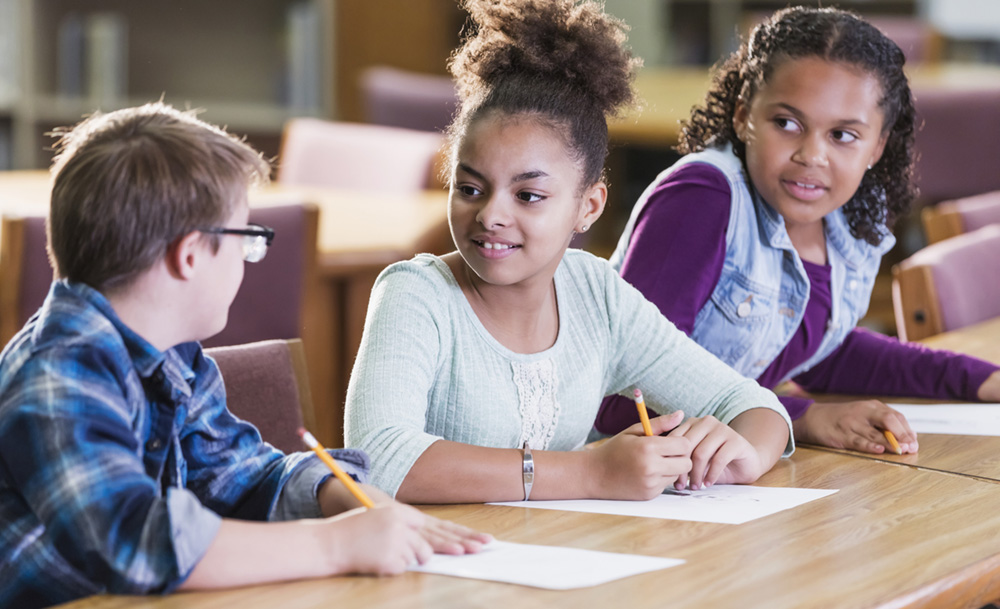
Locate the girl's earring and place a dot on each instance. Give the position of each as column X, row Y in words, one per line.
column 584, row 228
column 869, row 167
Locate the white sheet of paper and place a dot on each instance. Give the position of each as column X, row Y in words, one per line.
column 552, row 567
column 723, row 503
column 958, row 419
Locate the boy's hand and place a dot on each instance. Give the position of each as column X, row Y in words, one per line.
column 446, row 537
column 383, row 540
column 633, row 466
column 854, row 426
column 719, row 455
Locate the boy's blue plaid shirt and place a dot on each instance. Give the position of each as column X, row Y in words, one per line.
column 117, row 460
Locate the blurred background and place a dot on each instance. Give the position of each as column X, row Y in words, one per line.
column 253, row 65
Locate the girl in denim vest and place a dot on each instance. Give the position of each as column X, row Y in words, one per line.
column 763, row 242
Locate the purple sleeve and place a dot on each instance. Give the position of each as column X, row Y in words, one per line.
column 678, row 246
column 867, row 363
column 675, row 259
column 795, row 406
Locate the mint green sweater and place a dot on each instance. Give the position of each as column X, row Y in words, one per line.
column 428, row 369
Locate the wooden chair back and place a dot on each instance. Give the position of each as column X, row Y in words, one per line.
column 948, row 285
column 25, row 271
column 951, row 218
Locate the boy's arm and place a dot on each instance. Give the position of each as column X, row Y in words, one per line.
column 67, row 443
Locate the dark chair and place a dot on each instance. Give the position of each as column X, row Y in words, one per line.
column 273, row 300
column 25, row 272
column 267, row 384
column 948, row 285
column 950, row 218
column 400, row 98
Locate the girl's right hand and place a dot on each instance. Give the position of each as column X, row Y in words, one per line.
column 854, row 426
column 636, row 467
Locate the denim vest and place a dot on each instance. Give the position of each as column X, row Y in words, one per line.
column 760, row 299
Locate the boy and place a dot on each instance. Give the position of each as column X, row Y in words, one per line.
column 121, row 470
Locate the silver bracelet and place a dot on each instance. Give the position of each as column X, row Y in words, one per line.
column 527, row 471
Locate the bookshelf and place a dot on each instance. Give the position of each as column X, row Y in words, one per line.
column 250, row 64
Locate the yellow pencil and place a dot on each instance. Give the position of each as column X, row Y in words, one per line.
column 892, row 442
column 641, row 405
column 339, row 473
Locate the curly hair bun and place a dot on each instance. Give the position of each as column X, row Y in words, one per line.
column 565, row 41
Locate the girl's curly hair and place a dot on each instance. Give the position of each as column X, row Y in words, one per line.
column 562, row 61
column 887, row 189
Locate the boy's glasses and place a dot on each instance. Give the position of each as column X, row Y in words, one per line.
column 256, row 239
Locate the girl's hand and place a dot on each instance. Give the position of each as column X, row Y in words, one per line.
column 633, row 466
column 989, row 391
column 720, row 455
column 854, row 426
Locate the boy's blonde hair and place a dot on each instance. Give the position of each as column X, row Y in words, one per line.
column 128, row 183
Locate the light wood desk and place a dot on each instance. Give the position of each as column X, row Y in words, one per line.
column 668, row 94
column 976, row 456
column 891, row 537
column 359, row 234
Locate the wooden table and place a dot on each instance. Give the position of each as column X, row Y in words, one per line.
column 891, row 537
column 668, row 94
column 975, row 456
column 360, row 233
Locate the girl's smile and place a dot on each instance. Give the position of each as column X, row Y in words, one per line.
column 515, row 201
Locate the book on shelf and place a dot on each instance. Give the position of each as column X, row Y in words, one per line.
column 9, row 53
column 107, row 58
column 92, row 58
column 304, row 57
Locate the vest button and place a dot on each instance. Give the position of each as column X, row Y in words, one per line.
column 153, row 445
column 743, row 309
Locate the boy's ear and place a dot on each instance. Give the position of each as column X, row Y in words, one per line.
column 182, row 255
column 593, row 206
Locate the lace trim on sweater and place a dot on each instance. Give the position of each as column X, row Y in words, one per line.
column 536, row 389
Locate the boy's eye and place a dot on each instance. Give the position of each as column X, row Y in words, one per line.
column 844, row 137
column 529, row 197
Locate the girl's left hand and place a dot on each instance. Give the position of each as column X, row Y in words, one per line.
column 720, row 454
column 989, row 391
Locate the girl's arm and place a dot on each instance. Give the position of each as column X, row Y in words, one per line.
column 628, row 466
column 871, row 364
column 674, row 258
column 405, row 343
column 731, row 441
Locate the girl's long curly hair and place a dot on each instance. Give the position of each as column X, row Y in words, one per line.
column 887, row 189
column 562, row 62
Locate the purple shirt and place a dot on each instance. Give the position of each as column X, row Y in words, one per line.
column 675, row 258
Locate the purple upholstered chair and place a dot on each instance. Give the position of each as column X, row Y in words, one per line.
column 267, row 385
column 25, row 272
column 399, row 98
column 272, row 301
column 950, row 218
column 949, row 284
column 959, row 143
column 358, row 156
